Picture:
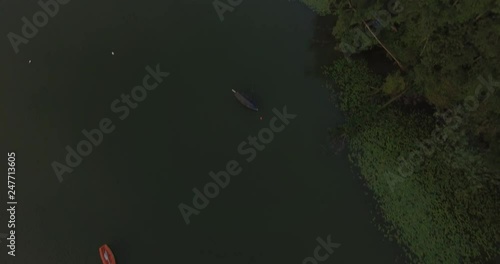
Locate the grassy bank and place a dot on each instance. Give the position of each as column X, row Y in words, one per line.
column 425, row 136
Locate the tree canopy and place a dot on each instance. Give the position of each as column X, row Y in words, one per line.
column 441, row 204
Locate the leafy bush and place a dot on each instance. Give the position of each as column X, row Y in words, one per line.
column 446, row 209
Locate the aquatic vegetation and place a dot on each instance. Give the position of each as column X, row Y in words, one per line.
column 445, row 210
column 322, row 7
column 442, row 205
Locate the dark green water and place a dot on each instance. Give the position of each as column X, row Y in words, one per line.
column 127, row 191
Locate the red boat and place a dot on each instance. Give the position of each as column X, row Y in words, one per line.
column 107, row 256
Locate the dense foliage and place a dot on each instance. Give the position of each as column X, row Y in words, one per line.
column 434, row 165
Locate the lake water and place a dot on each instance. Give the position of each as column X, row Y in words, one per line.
column 127, row 191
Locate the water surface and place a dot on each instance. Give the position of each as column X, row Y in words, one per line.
column 127, row 191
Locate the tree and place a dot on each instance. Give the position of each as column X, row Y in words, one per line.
column 436, row 191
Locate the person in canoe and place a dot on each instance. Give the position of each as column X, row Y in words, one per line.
column 106, row 254
column 246, row 101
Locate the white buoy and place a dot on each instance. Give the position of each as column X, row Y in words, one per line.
column 112, row 53
column 29, row 61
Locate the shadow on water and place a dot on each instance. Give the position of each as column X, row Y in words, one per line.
column 323, row 45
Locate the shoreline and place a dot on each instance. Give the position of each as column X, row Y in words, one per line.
column 323, row 45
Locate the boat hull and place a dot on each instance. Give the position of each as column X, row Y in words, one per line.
column 106, row 254
column 245, row 101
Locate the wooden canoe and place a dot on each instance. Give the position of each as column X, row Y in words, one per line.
column 106, row 254
column 245, row 101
